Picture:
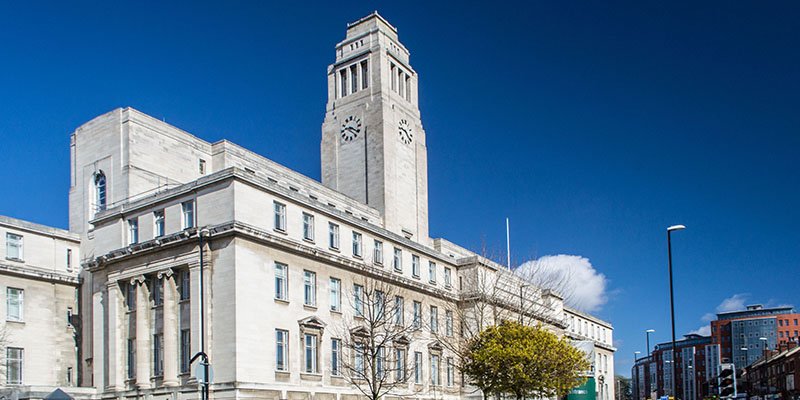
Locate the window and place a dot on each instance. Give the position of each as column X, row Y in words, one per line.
column 379, row 306
column 14, row 364
column 448, row 323
column 99, row 191
column 448, row 277
column 308, row 227
column 417, row 319
column 400, row 85
column 450, row 371
column 185, row 288
column 158, row 223
column 358, row 300
column 434, row 319
column 15, row 304
column 336, row 354
column 158, row 354
column 130, row 296
column 359, row 357
column 435, row 370
column 343, row 81
column 400, row 364
column 394, row 76
column 378, row 256
column 186, row 348
column 69, row 260
column 14, row 247
column 280, row 216
column 202, row 167
column 336, row 295
column 158, row 298
column 417, row 368
column 333, row 235
column 309, row 288
column 415, row 266
column 131, row 358
column 281, row 281
column 432, row 272
column 353, row 78
column 356, row 244
column 133, row 231
column 281, row 350
column 399, row 305
column 379, row 360
column 310, row 353
column 364, row 75
column 397, row 261
column 187, row 210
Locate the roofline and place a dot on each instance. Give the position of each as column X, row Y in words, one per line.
column 589, row 317
column 39, row 229
column 371, row 15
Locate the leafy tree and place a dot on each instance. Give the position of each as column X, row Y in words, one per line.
column 524, row 361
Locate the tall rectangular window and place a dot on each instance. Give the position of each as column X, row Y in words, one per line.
column 415, row 266
column 400, row 364
column 379, row 309
column 130, row 296
column 280, row 216
column 309, row 288
column 364, row 74
column 448, row 277
column 336, row 295
column 158, row 223
column 417, row 368
column 448, row 323
column 379, row 361
column 450, row 371
column 394, row 76
column 336, row 357
column 14, row 365
column 131, row 358
column 157, row 288
column 133, row 231
column 408, row 87
column 310, row 353
column 358, row 348
column 281, row 350
column 14, row 247
column 358, row 300
column 378, row 252
column 397, row 261
column 432, row 272
column 399, row 306
column 343, row 81
column 400, row 85
column 158, row 354
column 69, row 260
column 356, row 244
column 281, row 281
column 185, row 289
column 186, row 348
column 434, row 319
column 435, row 370
column 417, row 318
column 333, row 235
column 201, row 166
column 353, row 78
column 187, row 211
column 308, row 227
column 15, row 304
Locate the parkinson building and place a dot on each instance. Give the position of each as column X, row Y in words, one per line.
column 192, row 246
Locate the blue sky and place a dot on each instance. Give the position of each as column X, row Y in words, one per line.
column 593, row 126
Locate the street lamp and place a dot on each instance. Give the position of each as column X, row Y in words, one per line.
column 647, row 333
column 636, row 355
column 766, row 346
column 671, row 295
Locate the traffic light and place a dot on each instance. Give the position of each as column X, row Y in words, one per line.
column 726, row 380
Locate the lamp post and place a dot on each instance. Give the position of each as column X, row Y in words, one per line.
column 522, row 286
column 671, row 296
column 647, row 333
column 766, row 347
column 202, row 353
column 636, row 356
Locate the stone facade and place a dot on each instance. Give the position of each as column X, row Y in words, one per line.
column 38, row 290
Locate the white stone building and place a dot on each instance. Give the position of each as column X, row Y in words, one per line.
column 585, row 327
column 283, row 259
column 39, row 285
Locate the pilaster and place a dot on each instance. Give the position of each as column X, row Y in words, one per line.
column 171, row 330
column 142, row 332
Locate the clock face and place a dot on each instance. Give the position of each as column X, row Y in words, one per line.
column 350, row 128
column 404, row 129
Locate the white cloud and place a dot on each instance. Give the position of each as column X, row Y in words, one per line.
column 573, row 277
column 733, row 303
column 704, row 330
column 708, row 317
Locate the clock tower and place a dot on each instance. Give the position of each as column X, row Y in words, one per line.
column 373, row 144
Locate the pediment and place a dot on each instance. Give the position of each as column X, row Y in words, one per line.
column 312, row 322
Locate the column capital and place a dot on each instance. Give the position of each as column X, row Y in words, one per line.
column 138, row 279
column 165, row 273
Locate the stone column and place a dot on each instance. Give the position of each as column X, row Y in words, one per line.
column 116, row 343
column 170, row 328
column 142, row 332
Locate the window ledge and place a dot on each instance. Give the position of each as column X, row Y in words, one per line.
column 336, row 249
column 15, row 259
column 16, row 321
column 307, row 240
column 282, row 301
column 279, row 230
column 415, row 276
column 311, row 376
column 339, row 312
column 310, row 307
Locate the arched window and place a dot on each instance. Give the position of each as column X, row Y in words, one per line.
column 100, row 191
